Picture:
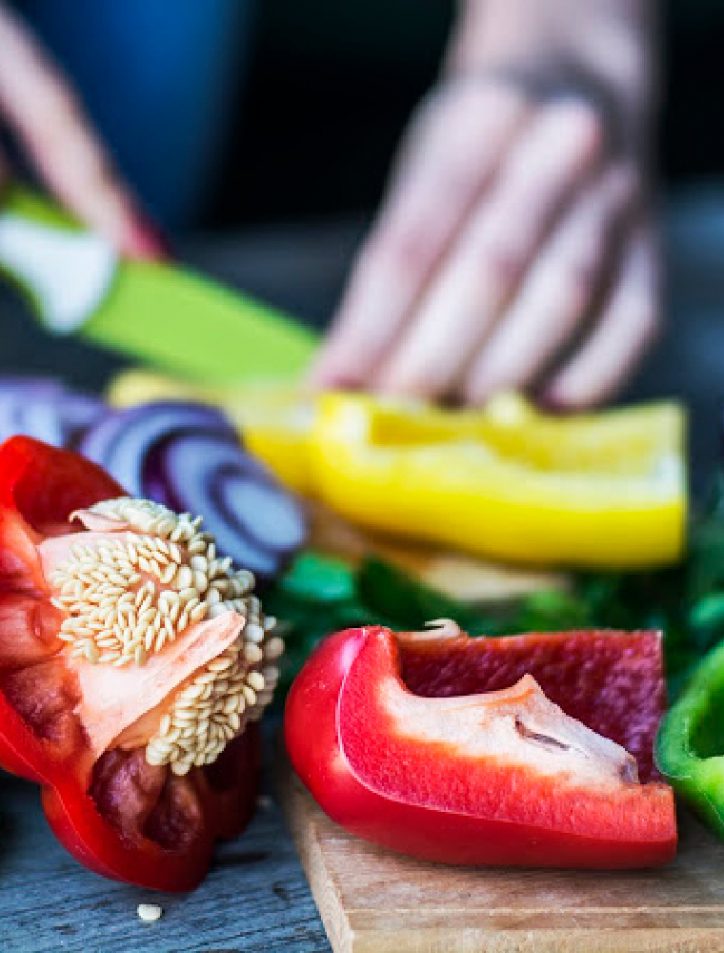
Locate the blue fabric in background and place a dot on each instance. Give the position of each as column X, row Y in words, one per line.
column 160, row 78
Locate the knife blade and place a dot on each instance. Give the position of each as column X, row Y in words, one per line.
column 162, row 314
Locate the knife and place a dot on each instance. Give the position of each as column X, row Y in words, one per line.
column 163, row 314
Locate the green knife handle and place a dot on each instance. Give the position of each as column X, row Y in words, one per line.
column 62, row 269
column 161, row 314
column 20, row 200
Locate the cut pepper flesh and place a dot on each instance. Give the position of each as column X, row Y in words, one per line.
column 613, row 683
column 503, row 777
column 606, row 490
column 131, row 661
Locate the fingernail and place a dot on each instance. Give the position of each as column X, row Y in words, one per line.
column 146, row 241
column 337, row 382
column 551, row 402
column 322, row 375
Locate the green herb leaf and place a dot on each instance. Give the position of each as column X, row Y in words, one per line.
column 320, row 594
column 708, row 612
column 319, row 578
column 391, row 593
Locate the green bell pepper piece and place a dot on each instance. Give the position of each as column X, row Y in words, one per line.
column 690, row 742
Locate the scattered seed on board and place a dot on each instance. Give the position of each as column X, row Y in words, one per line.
column 149, row 912
column 127, row 598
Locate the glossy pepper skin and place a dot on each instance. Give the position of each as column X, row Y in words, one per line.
column 104, row 812
column 505, row 481
column 689, row 747
column 400, row 768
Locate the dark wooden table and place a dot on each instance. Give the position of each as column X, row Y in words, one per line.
column 256, row 898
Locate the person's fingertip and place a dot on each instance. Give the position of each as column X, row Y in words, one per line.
column 408, row 382
column 552, row 401
column 486, row 378
column 319, row 383
column 143, row 239
column 564, row 396
column 479, row 395
column 327, row 373
column 318, row 377
column 389, row 388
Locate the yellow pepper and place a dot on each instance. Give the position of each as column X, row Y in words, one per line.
column 507, row 482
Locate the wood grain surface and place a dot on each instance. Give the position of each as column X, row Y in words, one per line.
column 373, row 900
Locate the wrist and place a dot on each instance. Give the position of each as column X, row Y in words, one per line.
column 603, row 50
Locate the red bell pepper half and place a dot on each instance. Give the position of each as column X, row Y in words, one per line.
column 455, row 749
column 118, row 814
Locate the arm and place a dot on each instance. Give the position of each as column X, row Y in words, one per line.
column 47, row 120
column 607, row 45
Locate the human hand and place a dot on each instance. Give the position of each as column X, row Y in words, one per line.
column 41, row 110
column 514, row 249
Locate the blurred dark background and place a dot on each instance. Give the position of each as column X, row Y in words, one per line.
column 331, row 85
column 228, row 112
column 261, row 133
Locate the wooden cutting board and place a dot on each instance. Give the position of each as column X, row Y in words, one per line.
column 373, row 901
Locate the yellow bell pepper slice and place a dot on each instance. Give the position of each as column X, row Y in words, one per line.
column 507, row 482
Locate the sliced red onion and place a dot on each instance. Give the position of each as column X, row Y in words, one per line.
column 185, row 455
column 254, row 520
column 80, row 412
column 17, row 395
column 271, row 516
column 123, row 440
column 16, row 385
column 43, row 408
column 39, row 418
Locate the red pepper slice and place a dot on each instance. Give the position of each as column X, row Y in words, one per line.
column 119, row 815
column 438, row 748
